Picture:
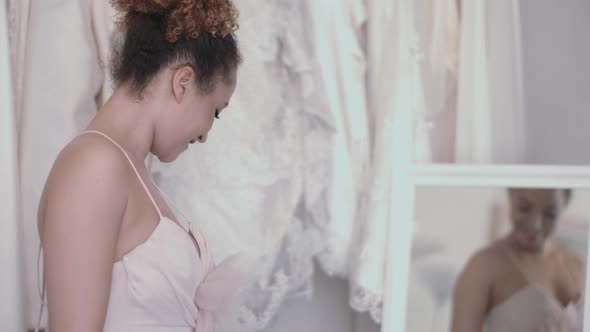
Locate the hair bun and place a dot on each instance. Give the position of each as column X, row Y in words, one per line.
column 142, row 6
column 189, row 18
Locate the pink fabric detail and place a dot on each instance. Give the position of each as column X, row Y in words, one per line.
column 219, row 289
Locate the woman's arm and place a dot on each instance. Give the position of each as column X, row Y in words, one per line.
column 84, row 202
column 471, row 295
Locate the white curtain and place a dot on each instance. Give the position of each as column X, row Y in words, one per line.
column 437, row 24
column 506, row 71
column 395, row 97
column 473, row 81
column 490, row 114
column 336, row 31
column 11, row 308
column 58, row 47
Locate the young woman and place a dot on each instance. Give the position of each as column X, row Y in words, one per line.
column 116, row 258
column 523, row 282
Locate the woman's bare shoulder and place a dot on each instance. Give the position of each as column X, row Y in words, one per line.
column 484, row 264
column 87, row 165
column 489, row 255
column 93, row 152
column 90, row 155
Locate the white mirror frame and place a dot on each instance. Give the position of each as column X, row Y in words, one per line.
column 407, row 178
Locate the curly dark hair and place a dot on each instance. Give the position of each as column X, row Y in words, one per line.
column 161, row 33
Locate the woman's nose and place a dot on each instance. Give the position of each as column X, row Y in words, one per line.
column 202, row 138
column 535, row 224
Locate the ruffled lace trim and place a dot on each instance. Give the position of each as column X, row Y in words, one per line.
column 363, row 300
column 291, row 276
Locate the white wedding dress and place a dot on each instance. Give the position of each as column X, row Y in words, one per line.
column 336, row 30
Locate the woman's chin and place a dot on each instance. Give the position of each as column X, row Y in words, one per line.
column 168, row 158
column 532, row 244
column 172, row 155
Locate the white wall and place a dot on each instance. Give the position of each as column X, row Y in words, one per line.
column 556, row 51
column 458, row 216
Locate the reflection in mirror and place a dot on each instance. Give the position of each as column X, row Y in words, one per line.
column 498, row 259
column 498, row 84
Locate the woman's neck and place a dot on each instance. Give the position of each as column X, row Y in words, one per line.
column 127, row 121
column 514, row 244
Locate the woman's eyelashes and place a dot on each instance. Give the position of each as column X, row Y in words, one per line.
column 217, row 113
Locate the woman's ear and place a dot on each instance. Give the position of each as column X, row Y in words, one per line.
column 181, row 82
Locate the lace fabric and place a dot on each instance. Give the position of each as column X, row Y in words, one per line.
column 345, row 98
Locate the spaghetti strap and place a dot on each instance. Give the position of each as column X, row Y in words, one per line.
column 133, row 166
column 199, row 238
column 171, row 203
column 41, row 288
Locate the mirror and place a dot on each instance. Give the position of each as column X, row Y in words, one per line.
column 503, row 82
column 498, row 259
